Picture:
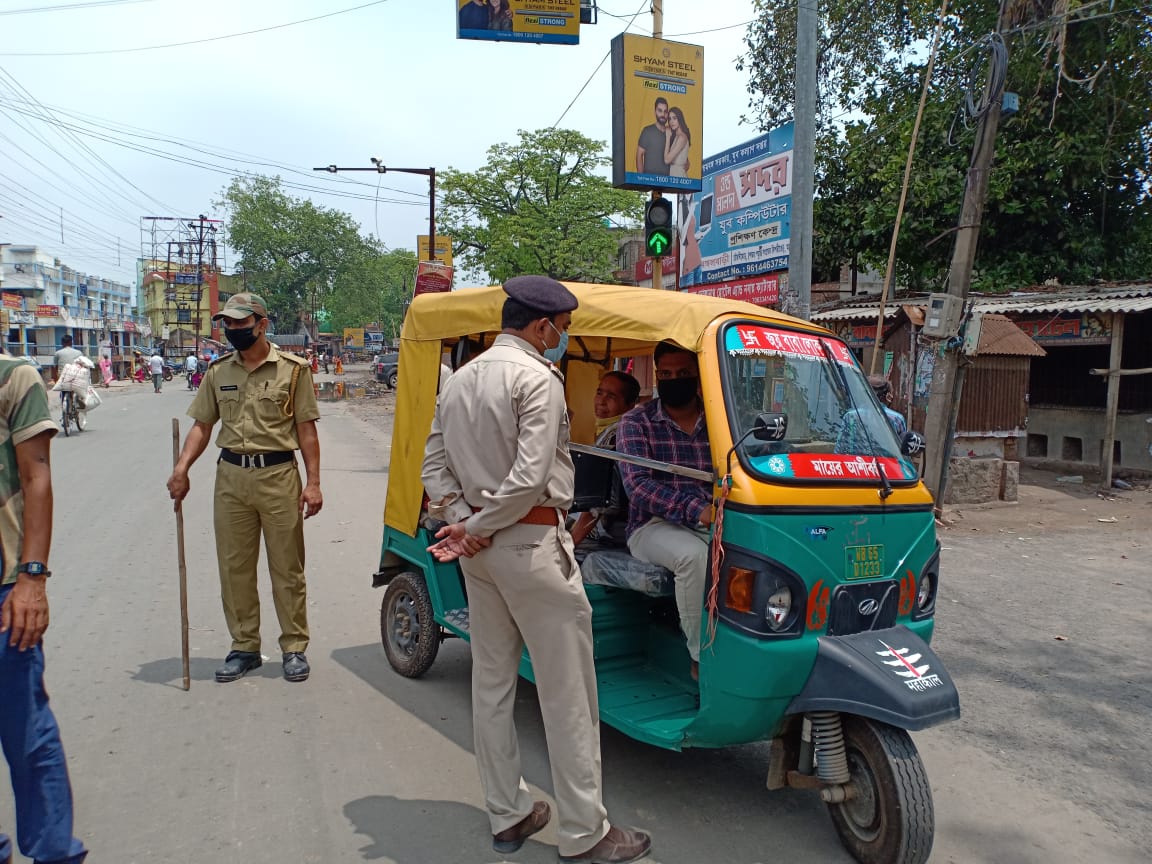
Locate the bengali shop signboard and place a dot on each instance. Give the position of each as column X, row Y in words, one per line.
column 761, row 290
column 443, row 251
column 738, row 224
column 13, row 301
column 556, row 22
column 47, row 311
column 432, row 277
column 645, row 267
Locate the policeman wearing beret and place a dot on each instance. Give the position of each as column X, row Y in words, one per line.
column 498, row 470
column 266, row 405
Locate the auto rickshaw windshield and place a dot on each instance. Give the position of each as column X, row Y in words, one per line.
column 834, row 428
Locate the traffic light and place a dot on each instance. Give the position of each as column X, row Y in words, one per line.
column 658, row 227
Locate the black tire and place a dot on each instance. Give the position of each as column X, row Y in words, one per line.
column 391, row 381
column 408, row 628
column 66, row 414
column 890, row 820
column 81, row 420
column 167, row 374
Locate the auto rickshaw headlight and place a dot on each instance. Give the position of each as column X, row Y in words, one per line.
column 924, row 594
column 779, row 608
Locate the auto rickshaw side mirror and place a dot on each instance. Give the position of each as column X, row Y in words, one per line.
column 770, row 427
column 912, row 444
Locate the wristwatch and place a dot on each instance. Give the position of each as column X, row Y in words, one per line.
column 35, row 568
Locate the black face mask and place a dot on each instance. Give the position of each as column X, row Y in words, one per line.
column 241, row 338
column 677, row 392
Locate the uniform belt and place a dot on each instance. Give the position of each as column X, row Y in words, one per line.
column 257, row 460
column 538, row 516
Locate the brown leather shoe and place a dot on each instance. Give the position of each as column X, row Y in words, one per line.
column 511, row 839
column 617, row 847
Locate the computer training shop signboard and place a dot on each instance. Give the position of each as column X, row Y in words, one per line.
column 737, row 225
column 657, row 114
column 555, row 22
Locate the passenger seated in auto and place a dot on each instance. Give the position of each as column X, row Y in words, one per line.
column 670, row 517
column 616, row 394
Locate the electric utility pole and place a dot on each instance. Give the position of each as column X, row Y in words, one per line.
column 657, row 33
column 948, row 375
column 797, row 300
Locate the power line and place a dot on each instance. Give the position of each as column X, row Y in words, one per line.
column 65, row 7
column 191, row 41
column 603, row 59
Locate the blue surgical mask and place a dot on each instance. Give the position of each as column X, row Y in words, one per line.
column 556, row 354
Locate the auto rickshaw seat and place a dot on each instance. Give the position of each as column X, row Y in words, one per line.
column 607, row 564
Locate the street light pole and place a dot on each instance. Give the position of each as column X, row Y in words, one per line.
column 380, row 168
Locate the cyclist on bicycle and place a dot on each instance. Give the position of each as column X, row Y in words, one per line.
column 67, row 354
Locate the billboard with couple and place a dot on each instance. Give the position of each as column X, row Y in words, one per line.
column 657, row 113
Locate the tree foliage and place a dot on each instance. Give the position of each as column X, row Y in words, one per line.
column 303, row 258
column 538, row 205
column 1069, row 194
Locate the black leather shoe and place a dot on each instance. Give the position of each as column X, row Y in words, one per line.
column 296, row 666
column 237, row 664
column 511, row 839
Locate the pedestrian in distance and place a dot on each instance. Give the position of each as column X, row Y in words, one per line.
column 190, row 366
column 156, row 367
column 497, row 469
column 266, row 404
column 29, row 734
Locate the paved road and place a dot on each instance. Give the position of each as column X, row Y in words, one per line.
column 359, row 764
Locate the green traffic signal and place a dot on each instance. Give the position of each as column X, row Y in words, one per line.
column 658, row 241
column 657, row 227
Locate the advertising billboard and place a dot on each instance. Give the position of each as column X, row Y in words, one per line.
column 432, row 277
column 443, row 252
column 353, row 337
column 556, row 22
column 657, row 114
column 761, row 290
column 737, row 225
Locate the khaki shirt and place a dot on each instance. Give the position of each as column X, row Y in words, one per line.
column 499, row 440
column 253, row 406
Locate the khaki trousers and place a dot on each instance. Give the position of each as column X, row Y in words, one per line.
column 684, row 551
column 251, row 501
column 525, row 589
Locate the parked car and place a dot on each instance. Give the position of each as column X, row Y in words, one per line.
column 385, row 369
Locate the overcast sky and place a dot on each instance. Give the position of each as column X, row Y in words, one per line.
column 388, row 79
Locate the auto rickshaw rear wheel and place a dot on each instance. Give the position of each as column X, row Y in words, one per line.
column 889, row 819
column 408, row 628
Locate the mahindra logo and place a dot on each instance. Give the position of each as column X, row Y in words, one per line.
column 869, row 607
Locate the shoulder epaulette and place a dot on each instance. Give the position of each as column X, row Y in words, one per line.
column 223, row 356
column 295, row 358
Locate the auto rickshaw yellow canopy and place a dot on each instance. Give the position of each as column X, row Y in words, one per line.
column 612, row 321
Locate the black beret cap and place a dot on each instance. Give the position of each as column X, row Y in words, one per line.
column 540, row 293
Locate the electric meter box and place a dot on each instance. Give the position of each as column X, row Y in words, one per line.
column 942, row 318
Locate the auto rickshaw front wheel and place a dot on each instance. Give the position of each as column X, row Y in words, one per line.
column 889, row 819
column 408, row 628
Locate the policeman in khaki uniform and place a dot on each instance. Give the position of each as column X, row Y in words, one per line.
column 267, row 407
column 497, row 468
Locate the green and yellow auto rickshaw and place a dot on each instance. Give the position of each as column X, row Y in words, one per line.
column 822, row 594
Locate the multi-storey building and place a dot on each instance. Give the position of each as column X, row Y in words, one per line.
column 45, row 299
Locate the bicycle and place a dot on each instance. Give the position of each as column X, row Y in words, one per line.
column 71, row 414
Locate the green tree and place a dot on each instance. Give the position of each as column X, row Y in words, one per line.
column 373, row 288
column 294, row 248
column 1069, row 191
column 538, row 205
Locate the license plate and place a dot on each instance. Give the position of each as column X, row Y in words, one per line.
column 863, row 562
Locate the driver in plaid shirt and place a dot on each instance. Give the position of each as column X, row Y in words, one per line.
column 670, row 517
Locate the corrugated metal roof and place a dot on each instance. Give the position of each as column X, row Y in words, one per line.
column 1000, row 336
column 1134, row 298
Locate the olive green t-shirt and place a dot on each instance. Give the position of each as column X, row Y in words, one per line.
column 23, row 415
